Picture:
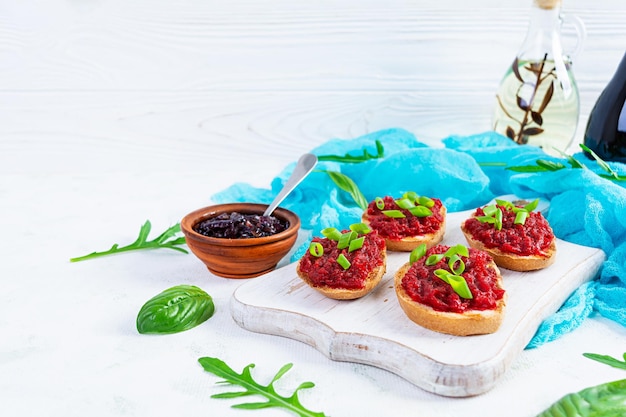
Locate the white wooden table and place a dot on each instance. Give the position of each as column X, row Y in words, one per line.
column 114, row 112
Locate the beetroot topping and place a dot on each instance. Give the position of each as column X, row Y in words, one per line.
column 533, row 236
column 422, row 286
column 325, row 270
column 395, row 223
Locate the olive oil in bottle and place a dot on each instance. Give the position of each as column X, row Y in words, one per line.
column 537, row 102
column 533, row 107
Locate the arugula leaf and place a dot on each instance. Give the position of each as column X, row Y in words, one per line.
column 347, row 184
column 607, row 360
column 168, row 239
column 353, row 159
column 251, row 387
column 175, row 310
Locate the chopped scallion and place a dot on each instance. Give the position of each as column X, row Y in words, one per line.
column 434, row 259
column 456, row 264
column 316, row 249
column 532, row 205
column 356, row 244
column 520, row 217
column 420, row 211
column 426, row 202
column 344, row 240
column 411, row 195
column 457, row 282
column 457, row 249
column 405, row 203
column 396, row 214
column 331, row 233
column 360, row 228
column 490, row 210
column 343, row 261
column 417, row 253
column 498, row 219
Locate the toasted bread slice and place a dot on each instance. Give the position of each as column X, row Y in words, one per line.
column 513, row 261
column 409, row 243
column 372, row 280
column 470, row 322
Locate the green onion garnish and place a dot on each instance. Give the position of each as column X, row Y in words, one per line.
column 490, row 210
column 457, row 282
column 316, row 249
column 457, row 249
column 456, row 264
column 498, row 219
column 420, row 211
column 343, row 261
column 380, row 203
column 331, row 233
column 434, row 259
column 532, row 205
column 344, row 240
column 426, row 202
column 405, row 203
column 396, row 214
column 417, row 253
column 520, row 217
column 360, row 228
column 411, row 195
column 356, row 244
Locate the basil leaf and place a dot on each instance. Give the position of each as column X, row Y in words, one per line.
column 607, row 399
column 175, row 310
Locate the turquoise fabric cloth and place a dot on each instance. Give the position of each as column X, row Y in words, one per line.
column 467, row 172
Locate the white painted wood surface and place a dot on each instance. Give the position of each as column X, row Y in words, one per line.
column 110, row 76
column 374, row 330
column 113, row 112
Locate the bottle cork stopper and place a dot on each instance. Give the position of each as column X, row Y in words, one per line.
column 547, row 4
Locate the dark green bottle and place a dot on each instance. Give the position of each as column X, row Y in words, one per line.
column 606, row 129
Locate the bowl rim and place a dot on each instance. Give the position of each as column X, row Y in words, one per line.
column 192, row 218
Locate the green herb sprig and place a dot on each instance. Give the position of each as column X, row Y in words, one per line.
column 353, row 159
column 346, row 184
column 546, row 165
column 169, row 239
column 251, row 387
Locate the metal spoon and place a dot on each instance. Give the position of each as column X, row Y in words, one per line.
column 304, row 166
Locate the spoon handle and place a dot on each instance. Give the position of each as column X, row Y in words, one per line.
column 305, row 164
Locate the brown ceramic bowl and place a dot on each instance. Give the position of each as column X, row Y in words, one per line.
column 240, row 258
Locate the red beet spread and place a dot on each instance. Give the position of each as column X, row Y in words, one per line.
column 326, row 272
column 424, row 287
column 399, row 228
column 532, row 238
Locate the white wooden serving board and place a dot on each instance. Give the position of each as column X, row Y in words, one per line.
column 374, row 330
